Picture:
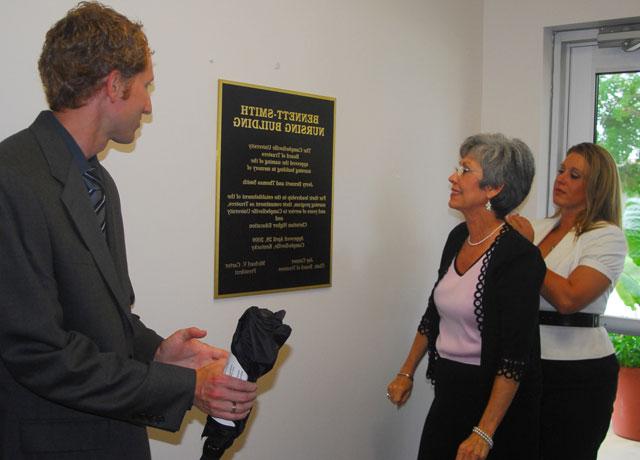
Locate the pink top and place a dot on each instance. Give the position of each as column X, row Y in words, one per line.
column 459, row 338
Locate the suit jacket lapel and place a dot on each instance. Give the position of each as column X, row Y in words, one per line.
column 84, row 218
column 115, row 234
column 75, row 199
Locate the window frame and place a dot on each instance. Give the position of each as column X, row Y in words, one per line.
column 570, row 46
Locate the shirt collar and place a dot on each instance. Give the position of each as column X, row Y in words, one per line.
column 78, row 157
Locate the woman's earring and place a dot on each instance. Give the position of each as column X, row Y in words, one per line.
column 487, row 205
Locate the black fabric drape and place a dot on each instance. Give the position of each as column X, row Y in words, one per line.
column 256, row 342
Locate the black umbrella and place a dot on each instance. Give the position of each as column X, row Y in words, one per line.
column 259, row 335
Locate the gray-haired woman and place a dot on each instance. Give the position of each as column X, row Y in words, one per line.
column 480, row 328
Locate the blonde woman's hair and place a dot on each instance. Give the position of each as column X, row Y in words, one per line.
column 602, row 187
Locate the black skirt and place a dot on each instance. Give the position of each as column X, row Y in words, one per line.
column 577, row 403
column 461, row 396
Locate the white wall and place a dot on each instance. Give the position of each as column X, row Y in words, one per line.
column 407, row 78
column 516, row 69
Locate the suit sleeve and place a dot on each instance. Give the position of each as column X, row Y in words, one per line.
column 146, row 341
column 59, row 364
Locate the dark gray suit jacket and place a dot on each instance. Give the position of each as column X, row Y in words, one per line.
column 77, row 379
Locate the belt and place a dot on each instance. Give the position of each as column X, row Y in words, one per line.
column 552, row 318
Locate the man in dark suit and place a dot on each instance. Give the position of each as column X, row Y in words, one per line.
column 80, row 374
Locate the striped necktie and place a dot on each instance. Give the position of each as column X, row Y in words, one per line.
column 97, row 196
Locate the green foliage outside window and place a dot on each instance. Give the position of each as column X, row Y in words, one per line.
column 618, row 130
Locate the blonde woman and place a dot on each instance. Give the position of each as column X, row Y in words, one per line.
column 584, row 250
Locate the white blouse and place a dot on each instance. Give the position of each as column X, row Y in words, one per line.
column 602, row 249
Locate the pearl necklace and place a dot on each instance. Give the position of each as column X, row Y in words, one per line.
column 485, row 238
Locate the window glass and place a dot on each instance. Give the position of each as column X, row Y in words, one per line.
column 617, row 128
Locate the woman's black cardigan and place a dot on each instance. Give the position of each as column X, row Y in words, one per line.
column 506, row 304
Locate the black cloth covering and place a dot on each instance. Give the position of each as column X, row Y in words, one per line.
column 256, row 342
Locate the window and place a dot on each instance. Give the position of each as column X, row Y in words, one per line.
column 596, row 97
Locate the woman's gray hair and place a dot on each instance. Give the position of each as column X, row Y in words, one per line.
column 505, row 162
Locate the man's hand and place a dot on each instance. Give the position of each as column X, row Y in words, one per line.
column 221, row 395
column 182, row 348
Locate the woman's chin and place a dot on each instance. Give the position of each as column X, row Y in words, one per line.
column 454, row 205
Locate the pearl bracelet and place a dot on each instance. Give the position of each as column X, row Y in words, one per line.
column 485, row 437
column 404, row 374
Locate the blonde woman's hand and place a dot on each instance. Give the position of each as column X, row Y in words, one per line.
column 521, row 225
column 399, row 390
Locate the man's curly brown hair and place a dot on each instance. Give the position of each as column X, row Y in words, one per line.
column 82, row 48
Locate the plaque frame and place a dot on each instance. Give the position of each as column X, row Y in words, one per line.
column 311, row 141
